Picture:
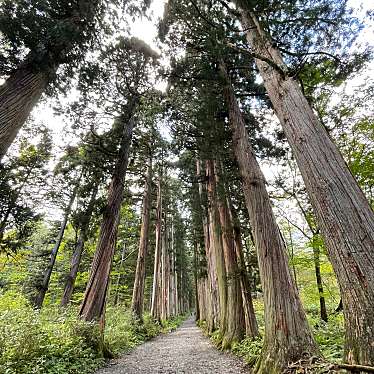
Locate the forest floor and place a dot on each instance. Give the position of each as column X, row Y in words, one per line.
column 184, row 351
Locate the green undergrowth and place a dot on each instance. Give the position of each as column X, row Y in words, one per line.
column 329, row 336
column 54, row 341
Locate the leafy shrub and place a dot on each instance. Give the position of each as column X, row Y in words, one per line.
column 54, row 341
column 172, row 323
column 330, row 337
column 248, row 349
column 45, row 342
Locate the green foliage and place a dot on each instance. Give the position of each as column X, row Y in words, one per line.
column 329, row 336
column 123, row 332
column 22, row 180
column 46, row 342
column 249, row 349
column 172, row 324
column 56, row 342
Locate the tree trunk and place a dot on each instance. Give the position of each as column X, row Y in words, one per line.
column 155, row 309
column 23, row 89
column 212, row 284
column 18, row 95
column 172, row 271
column 138, row 291
column 344, row 214
column 195, row 274
column 76, row 257
column 47, row 275
column 93, row 305
column 217, row 244
column 287, row 334
column 165, row 272
column 251, row 326
column 235, row 319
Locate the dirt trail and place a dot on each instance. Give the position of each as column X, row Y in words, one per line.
column 184, row 351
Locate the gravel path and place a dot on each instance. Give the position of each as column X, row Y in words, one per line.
column 184, row 351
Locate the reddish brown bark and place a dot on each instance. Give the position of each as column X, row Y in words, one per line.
column 235, row 317
column 211, row 287
column 93, row 305
column 287, row 334
column 156, row 288
column 18, row 95
column 139, row 283
column 24, row 87
column 344, row 214
column 216, row 243
column 251, row 326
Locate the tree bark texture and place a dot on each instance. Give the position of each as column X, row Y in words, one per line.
column 343, row 212
column 23, row 89
column 165, row 274
column 93, row 305
column 156, row 288
column 18, row 95
column 251, row 326
column 287, row 334
column 139, row 283
column 195, row 276
column 212, row 315
column 235, row 318
column 216, row 243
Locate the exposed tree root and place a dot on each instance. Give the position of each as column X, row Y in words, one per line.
column 315, row 365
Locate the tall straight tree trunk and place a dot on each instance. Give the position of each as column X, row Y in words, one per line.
column 137, row 303
column 18, row 95
column 48, row 272
column 287, row 334
column 93, row 305
column 155, row 310
column 235, row 318
column 172, row 270
column 212, row 284
column 195, row 273
column 76, row 257
column 164, row 296
column 215, row 230
column 343, row 213
column 251, row 326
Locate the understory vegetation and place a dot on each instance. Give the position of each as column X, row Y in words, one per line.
column 54, row 341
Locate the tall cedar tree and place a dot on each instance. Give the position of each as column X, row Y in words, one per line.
column 130, row 62
column 37, row 38
column 342, row 210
